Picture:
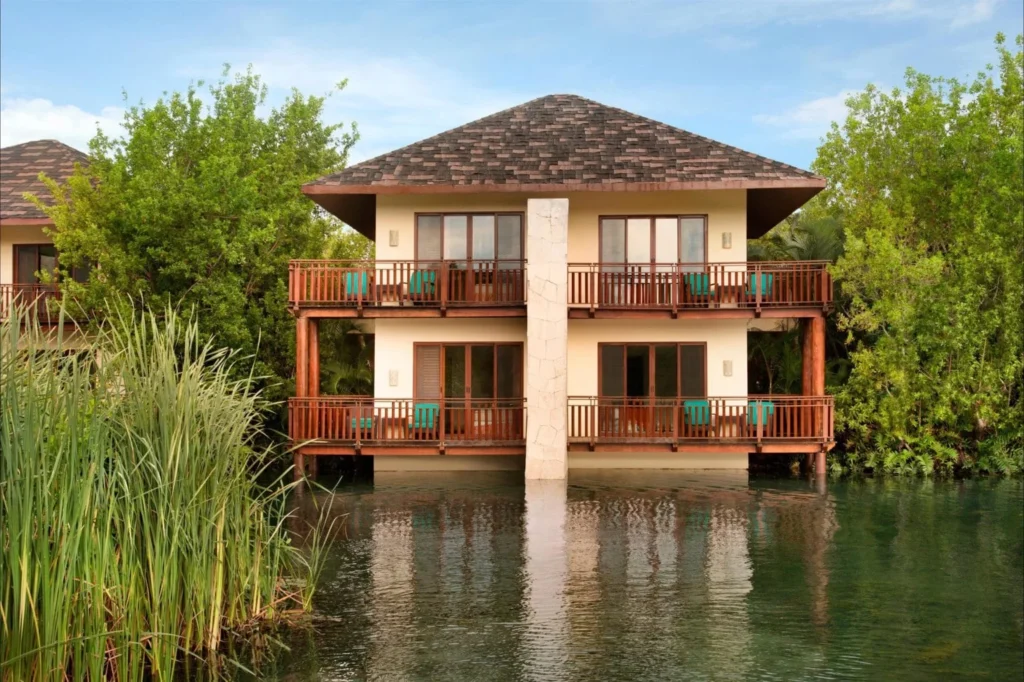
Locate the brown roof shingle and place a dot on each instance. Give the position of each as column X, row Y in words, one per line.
column 563, row 140
column 20, row 166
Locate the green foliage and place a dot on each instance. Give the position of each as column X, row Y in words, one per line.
column 200, row 206
column 347, row 366
column 134, row 529
column 928, row 184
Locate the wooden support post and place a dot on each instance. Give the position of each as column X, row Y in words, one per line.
column 313, row 386
column 806, row 383
column 314, row 358
column 817, row 333
column 301, row 381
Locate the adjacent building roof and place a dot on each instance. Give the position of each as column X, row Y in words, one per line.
column 563, row 143
column 20, row 166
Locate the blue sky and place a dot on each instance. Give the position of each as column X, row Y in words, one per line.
column 764, row 75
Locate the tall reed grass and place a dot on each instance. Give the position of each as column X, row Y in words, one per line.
column 133, row 528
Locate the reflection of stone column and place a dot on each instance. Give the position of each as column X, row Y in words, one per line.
column 391, row 567
column 547, row 329
column 545, row 639
column 729, row 574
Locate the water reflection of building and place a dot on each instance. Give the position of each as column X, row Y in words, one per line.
column 556, row 583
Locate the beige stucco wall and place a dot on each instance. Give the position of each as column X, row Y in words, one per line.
column 393, row 344
column 17, row 234
column 726, row 340
column 726, row 211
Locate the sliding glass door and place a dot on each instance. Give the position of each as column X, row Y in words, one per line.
column 640, row 385
column 482, row 386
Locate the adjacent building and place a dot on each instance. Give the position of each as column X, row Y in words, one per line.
column 27, row 253
column 560, row 285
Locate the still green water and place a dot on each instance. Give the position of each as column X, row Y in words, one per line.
column 668, row 576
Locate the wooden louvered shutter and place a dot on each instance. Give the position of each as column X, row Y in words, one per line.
column 428, row 373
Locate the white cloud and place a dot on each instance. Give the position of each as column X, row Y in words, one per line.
column 22, row 120
column 809, row 120
column 395, row 100
column 978, row 12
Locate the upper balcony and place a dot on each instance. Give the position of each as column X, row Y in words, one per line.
column 462, row 288
column 699, row 290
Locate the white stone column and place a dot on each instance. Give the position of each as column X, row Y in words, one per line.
column 547, row 328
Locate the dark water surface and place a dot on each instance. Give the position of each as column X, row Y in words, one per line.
column 668, row 576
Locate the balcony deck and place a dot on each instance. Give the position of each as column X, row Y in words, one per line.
column 359, row 425
column 699, row 290
column 35, row 298
column 323, row 288
column 756, row 423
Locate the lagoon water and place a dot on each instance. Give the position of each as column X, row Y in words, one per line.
column 667, row 576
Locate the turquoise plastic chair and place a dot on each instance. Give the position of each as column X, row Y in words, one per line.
column 362, row 423
column 423, row 282
column 760, row 411
column 765, row 284
column 697, row 412
column 356, row 283
column 699, row 283
column 424, row 415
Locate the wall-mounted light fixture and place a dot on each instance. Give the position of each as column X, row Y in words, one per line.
column 727, row 368
column 393, row 238
column 393, row 377
column 727, row 240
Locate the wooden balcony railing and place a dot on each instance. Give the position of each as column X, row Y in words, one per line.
column 441, row 284
column 34, row 298
column 359, row 419
column 753, row 420
column 682, row 286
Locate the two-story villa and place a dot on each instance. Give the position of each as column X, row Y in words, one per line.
column 562, row 285
column 26, row 250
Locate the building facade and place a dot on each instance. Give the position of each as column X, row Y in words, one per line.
column 562, row 285
column 26, row 250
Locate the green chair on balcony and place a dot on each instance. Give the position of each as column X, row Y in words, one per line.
column 760, row 411
column 697, row 412
column 362, row 423
column 356, row 284
column 762, row 283
column 698, row 283
column 423, row 284
column 424, row 415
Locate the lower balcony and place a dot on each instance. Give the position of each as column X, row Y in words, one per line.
column 756, row 423
column 35, row 298
column 465, row 288
column 353, row 425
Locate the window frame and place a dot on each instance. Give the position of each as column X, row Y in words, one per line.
column 468, row 345
column 651, row 218
column 469, row 235
column 17, row 268
column 651, row 345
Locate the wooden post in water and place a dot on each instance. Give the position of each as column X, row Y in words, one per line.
column 817, row 333
column 806, row 383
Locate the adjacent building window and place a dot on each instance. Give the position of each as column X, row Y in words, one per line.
column 474, row 371
column 652, row 370
column 31, row 260
column 490, row 240
column 629, row 240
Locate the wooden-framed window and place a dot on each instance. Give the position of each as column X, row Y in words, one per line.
column 652, row 370
column 30, row 260
column 479, row 371
column 641, row 240
column 483, row 240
